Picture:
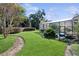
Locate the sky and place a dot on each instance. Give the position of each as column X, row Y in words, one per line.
column 54, row 11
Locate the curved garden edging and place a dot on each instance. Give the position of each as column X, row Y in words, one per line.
column 17, row 46
column 69, row 51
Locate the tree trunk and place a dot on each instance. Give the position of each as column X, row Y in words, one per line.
column 4, row 27
column 30, row 24
column 5, row 34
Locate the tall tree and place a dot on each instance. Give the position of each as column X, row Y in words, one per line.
column 9, row 12
column 25, row 23
column 36, row 18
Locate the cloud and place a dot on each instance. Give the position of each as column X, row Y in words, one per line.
column 26, row 5
column 72, row 9
column 51, row 14
column 55, row 14
column 66, row 13
column 30, row 9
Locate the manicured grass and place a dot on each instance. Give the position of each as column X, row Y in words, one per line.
column 35, row 45
column 75, row 48
column 5, row 44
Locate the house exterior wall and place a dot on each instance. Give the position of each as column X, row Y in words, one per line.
column 64, row 25
column 44, row 26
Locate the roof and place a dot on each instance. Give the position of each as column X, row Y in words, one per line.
column 59, row 20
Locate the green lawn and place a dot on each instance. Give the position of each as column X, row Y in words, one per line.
column 35, row 45
column 5, row 44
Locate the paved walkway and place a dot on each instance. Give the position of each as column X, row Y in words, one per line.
column 17, row 46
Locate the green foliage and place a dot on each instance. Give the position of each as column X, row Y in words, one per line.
column 17, row 21
column 25, row 23
column 36, row 18
column 55, row 27
column 70, row 37
column 10, row 15
column 49, row 33
column 15, row 30
column 77, row 27
column 28, row 29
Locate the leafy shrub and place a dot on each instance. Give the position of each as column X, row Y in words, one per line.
column 65, row 40
column 42, row 31
column 49, row 33
column 70, row 37
column 14, row 30
column 29, row 29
